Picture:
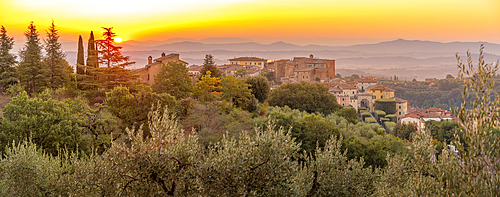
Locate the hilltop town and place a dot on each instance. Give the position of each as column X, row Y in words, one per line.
column 361, row 94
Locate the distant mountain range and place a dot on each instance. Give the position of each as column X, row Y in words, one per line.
column 395, row 46
column 406, row 58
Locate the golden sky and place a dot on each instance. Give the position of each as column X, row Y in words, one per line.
column 270, row 20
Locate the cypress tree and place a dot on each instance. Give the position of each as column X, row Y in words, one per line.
column 54, row 59
column 8, row 75
column 80, row 65
column 92, row 62
column 80, row 60
column 33, row 73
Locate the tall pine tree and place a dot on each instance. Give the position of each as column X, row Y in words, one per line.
column 209, row 65
column 8, row 75
column 33, row 73
column 113, row 73
column 54, row 59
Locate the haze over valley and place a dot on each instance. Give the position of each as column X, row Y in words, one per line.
column 407, row 59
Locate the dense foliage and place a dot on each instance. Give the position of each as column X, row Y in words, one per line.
column 349, row 113
column 47, row 122
column 54, row 59
column 260, row 87
column 305, row 97
column 32, row 72
column 386, row 105
column 133, row 106
column 209, row 65
column 306, row 144
column 8, row 75
column 173, row 79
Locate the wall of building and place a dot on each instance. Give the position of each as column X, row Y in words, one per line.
column 330, row 66
column 253, row 63
column 343, row 100
column 402, row 109
column 151, row 70
column 380, row 94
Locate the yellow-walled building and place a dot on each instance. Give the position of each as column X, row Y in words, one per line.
column 380, row 92
column 254, row 61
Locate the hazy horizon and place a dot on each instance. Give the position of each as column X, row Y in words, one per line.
column 261, row 20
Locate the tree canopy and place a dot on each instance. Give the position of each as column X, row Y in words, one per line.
column 54, row 59
column 209, row 65
column 8, row 75
column 260, row 87
column 32, row 72
column 304, row 96
column 174, row 80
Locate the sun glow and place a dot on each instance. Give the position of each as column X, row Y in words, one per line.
column 118, row 39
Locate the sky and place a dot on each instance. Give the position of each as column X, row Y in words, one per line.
column 260, row 20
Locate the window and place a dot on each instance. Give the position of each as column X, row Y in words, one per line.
column 343, row 99
column 352, row 92
column 400, row 108
column 381, row 97
column 245, row 63
column 374, row 97
column 343, row 104
column 399, row 113
column 260, row 63
column 148, row 77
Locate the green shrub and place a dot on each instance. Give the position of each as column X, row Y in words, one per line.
column 360, row 109
column 389, row 126
column 364, row 115
column 381, row 131
column 385, row 120
column 379, row 114
column 392, row 117
column 386, row 105
column 370, row 120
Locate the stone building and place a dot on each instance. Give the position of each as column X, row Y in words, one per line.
column 149, row 72
column 304, row 69
column 401, row 107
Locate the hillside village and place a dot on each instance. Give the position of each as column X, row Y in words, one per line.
column 362, row 94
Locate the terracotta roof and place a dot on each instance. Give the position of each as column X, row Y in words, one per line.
column 195, row 68
column 282, row 60
column 334, row 90
column 435, row 109
column 380, row 87
column 247, row 59
column 398, row 100
column 166, row 56
column 410, row 116
column 346, row 86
